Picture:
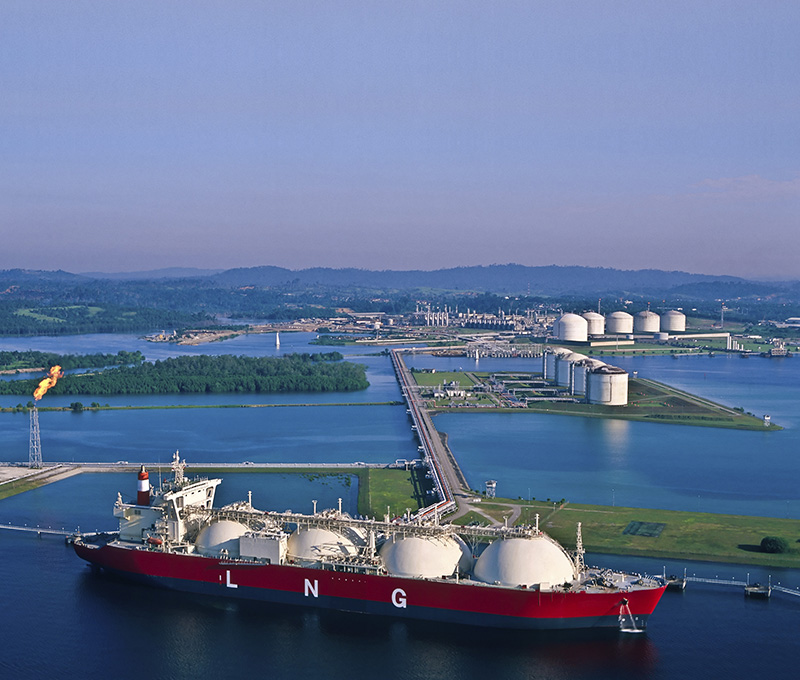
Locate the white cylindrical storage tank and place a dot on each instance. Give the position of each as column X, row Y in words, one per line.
column 647, row 322
column 579, row 378
column 597, row 323
column 549, row 365
column 673, row 321
column 619, row 322
column 550, row 360
column 525, row 562
column 565, row 366
column 581, row 371
column 573, row 328
column 607, row 385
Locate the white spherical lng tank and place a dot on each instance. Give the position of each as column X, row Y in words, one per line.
column 425, row 556
column 673, row 321
column 314, row 543
column 573, row 328
column 619, row 322
column 607, row 385
column 597, row 323
column 647, row 322
column 524, row 562
column 220, row 536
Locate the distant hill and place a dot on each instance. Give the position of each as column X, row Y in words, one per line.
column 37, row 275
column 505, row 279
column 152, row 274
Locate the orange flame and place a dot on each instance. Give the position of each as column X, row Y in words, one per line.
column 47, row 383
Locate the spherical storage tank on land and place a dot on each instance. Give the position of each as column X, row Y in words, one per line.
column 619, row 322
column 607, row 385
column 573, row 328
column 673, row 321
column 597, row 322
column 647, row 322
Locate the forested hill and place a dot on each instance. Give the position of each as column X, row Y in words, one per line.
column 506, row 279
column 212, row 374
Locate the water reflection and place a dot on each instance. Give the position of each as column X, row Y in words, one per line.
column 616, row 440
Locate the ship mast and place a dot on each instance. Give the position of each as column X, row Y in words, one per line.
column 177, row 468
column 580, row 566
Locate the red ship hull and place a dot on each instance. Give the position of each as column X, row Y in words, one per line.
column 436, row 600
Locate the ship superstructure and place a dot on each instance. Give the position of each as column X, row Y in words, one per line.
column 515, row 577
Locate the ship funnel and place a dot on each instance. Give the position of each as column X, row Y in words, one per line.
column 143, row 488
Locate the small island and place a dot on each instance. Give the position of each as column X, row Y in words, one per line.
column 518, row 392
column 319, row 372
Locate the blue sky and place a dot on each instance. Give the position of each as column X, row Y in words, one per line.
column 397, row 135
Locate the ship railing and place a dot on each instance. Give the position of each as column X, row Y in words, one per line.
column 355, row 565
column 399, row 528
column 246, row 517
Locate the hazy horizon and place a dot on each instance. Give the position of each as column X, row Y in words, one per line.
column 417, row 135
column 188, row 271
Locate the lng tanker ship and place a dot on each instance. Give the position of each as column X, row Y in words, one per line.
column 507, row 577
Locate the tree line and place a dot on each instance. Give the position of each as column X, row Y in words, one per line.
column 31, row 317
column 321, row 372
column 16, row 360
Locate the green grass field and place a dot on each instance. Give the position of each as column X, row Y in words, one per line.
column 13, row 488
column 687, row 535
column 381, row 488
column 436, row 379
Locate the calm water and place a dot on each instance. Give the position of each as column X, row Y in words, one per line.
column 644, row 464
column 318, row 434
column 61, row 621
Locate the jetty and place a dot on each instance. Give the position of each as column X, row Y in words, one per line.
column 449, row 481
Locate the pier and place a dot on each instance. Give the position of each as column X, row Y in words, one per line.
column 449, row 480
column 40, row 531
column 750, row 589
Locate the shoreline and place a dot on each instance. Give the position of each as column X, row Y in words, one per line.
column 13, row 409
column 694, row 536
